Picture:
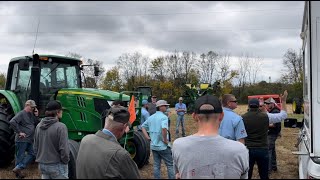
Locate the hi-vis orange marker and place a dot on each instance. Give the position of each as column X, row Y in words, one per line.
column 132, row 110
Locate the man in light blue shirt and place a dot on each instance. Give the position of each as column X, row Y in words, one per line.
column 232, row 126
column 144, row 113
column 157, row 126
column 181, row 109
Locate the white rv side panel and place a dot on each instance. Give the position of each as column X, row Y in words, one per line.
column 315, row 90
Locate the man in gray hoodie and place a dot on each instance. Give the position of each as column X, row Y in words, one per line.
column 23, row 124
column 51, row 144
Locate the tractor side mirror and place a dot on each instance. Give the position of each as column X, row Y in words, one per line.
column 96, row 70
column 24, row 64
column 292, row 123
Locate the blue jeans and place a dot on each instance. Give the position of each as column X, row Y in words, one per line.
column 180, row 119
column 54, row 171
column 261, row 156
column 23, row 159
column 272, row 151
column 166, row 155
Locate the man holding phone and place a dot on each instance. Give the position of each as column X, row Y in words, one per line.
column 23, row 124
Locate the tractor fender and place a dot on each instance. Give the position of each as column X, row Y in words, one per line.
column 13, row 100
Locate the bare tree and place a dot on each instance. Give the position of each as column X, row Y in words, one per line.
column 223, row 67
column 88, row 72
column 188, row 60
column 131, row 66
column 253, row 68
column 173, row 64
column 243, row 66
column 207, row 65
column 294, row 63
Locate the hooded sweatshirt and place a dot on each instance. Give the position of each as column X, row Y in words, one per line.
column 51, row 142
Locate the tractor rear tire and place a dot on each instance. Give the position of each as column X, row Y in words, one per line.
column 146, row 160
column 74, row 149
column 7, row 146
column 296, row 106
column 142, row 154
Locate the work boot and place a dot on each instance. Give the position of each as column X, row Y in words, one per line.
column 18, row 173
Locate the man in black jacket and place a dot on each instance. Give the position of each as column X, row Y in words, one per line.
column 273, row 133
column 256, row 123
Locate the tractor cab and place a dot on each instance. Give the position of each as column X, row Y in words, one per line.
column 146, row 92
column 40, row 77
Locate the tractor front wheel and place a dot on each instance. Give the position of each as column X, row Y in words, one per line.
column 7, row 146
column 74, row 149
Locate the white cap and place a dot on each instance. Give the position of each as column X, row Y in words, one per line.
column 162, row 103
column 270, row 100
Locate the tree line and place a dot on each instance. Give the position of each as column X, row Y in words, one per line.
column 168, row 74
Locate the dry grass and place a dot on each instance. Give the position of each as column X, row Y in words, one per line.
column 287, row 163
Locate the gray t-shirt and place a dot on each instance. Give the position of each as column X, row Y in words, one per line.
column 213, row 157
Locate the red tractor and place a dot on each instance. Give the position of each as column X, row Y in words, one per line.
column 264, row 97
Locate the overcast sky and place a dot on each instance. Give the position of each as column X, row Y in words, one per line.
column 104, row 30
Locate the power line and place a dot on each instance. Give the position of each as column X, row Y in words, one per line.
column 157, row 14
column 147, row 32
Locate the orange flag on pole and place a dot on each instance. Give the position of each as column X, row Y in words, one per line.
column 132, row 110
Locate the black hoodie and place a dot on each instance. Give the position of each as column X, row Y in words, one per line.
column 51, row 142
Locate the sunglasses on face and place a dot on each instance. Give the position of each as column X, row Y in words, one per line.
column 234, row 101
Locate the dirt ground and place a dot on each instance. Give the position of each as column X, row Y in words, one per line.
column 287, row 163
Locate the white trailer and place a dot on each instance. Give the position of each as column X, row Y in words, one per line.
column 309, row 135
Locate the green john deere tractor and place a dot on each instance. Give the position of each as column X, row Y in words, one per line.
column 49, row 77
column 146, row 92
column 191, row 93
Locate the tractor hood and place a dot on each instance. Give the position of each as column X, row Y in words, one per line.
column 94, row 93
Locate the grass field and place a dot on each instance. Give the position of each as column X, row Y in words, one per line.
column 287, row 163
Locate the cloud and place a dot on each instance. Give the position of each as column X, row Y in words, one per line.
column 104, row 30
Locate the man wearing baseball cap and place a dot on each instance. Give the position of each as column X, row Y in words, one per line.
column 144, row 113
column 23, row 124
column 157, row 126
column 257, row 122
column 101, row 156
column 206, row 154
column 273, row 134
column 51, row 143
column 152, row 107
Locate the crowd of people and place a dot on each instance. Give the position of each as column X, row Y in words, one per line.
column 226, row 145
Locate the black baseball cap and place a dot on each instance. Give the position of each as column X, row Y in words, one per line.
column 120, row 114
column 254, row 103
column 211, row 100
column 53, row 105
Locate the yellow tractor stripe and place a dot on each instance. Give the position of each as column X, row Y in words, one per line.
column 79, row 93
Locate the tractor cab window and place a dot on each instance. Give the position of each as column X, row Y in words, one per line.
column 21, row 83
column 57, row 75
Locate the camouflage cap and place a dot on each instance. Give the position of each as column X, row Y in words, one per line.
column 31, row 103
